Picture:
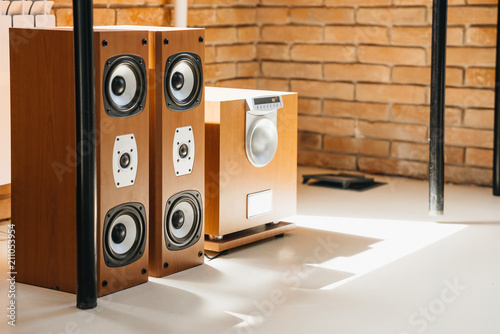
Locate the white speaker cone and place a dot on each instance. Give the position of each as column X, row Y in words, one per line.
column 184, row 69
column 262, row 142
column 126, row 73
column 188, row 220
column 130, row 236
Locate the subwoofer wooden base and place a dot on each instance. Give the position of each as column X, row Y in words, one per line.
column 247, row 236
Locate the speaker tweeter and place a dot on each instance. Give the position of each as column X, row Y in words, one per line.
column 183, row 151
column 125, row 160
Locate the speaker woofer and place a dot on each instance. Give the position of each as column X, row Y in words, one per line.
column 183, row 81
column 124, row 237
column 124, row 85
column 262, row 142
column 183, row 220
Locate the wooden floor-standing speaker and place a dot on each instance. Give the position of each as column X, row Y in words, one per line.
column 251, row 165
column 177, row 150
column 44, row 184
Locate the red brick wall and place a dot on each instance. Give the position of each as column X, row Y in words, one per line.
column 361, row 68
column 231, row 32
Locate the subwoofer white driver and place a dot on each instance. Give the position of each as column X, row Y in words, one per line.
column 261, row 133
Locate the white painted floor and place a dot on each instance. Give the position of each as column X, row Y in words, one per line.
column 358, row 262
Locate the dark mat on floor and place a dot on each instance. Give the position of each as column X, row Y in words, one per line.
column 342, row 181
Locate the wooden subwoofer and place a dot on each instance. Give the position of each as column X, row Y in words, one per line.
column 251, row 161
column 44, row 184
column 177, row 149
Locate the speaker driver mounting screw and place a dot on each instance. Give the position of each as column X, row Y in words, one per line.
column 144, row 41
column 200, row 39
column 144, row 271
column 165, row 265
column 200, row 254
column 165, row 41
column 104, row 283
column 104, row 43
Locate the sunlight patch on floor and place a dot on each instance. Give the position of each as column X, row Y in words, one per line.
column 397, row 239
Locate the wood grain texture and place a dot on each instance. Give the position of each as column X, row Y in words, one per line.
column 164, row 183
column 44, row 157
column 5, row 189
column 5, row 201
column 108, row 128
column 237, row 177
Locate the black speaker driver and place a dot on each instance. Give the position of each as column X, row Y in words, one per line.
column 124, row 234
column 183, row 220
column 183, row 81
column 124, row 85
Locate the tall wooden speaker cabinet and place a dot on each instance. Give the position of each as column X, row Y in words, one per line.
column 44, row 157
column 177, row 150
column 251, row 165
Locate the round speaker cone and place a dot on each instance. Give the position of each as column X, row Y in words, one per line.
column 183, row 151
column 183, row 220
column 262, row 142
column 185, row 229
column 125, row 225
column 118, row 85
column 182, row 93
column 124, row 160
column 124, row 85
column 177, row 80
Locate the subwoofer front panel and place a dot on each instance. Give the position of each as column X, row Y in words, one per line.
column 178, row 149
column 44, row 165
column 234, row 183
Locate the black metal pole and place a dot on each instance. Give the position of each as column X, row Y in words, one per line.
column 496, row 143
column 86, row 288
column 438, row 71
